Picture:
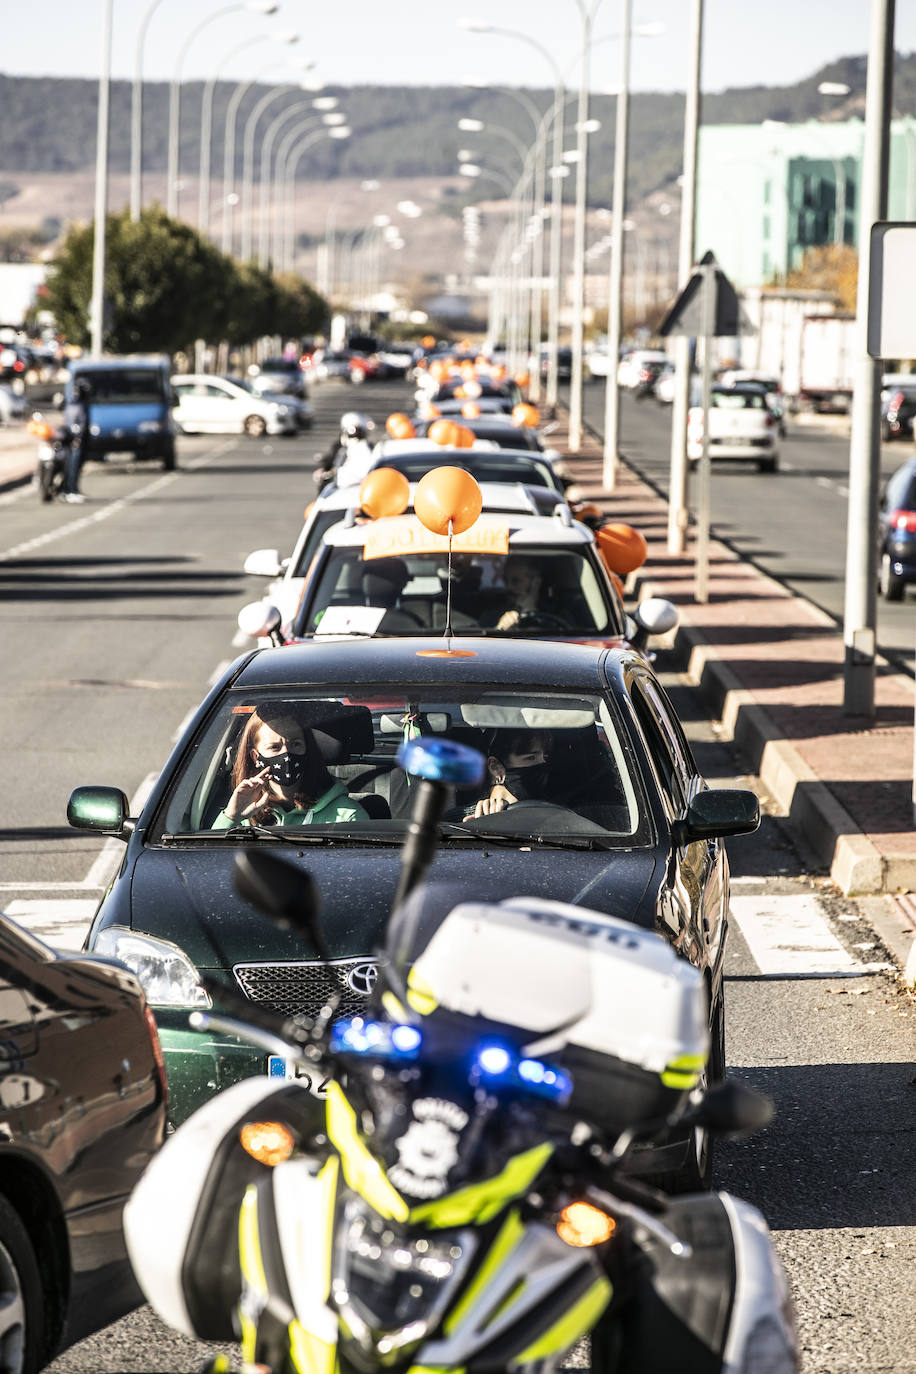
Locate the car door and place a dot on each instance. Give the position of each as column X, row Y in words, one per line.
column 693, row 901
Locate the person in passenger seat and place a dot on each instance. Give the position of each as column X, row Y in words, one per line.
column 279, row 778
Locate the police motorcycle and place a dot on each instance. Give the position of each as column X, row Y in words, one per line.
column 53, row 449
column 446, row 1189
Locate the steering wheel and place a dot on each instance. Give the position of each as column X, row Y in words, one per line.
column 545, row 620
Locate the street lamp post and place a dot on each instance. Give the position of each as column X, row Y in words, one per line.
column 97, row 303
column 136, row 117
column 267, row 143
column 172, row 187
column 615, row 279
column 289, row 161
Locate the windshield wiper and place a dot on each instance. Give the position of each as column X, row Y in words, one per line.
column 300, row 836
column 454, row 830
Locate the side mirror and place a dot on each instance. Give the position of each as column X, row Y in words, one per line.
column 717, row 812
column 260, row 620
column 282, row 892
column 102, row 809
column 732, row 1108
column 264, row 563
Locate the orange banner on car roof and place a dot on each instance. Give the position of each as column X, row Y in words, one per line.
column 404, row 534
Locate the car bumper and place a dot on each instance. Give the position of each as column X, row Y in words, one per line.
column 200, row 1064
column 751, row 449
column 141, row 445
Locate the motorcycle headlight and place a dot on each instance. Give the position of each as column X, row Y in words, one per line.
column 391, row 1287
column 165, row 972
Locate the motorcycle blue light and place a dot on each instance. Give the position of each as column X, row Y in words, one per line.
column 405, row 1039
column 543, row 1078
column 442, row 760
column 493, row 1059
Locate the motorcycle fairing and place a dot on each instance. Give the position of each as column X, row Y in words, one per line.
column 476, row 1203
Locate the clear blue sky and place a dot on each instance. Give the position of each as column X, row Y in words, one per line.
column 410, row 42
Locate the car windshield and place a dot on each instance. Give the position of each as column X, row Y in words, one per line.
column 530, row 592
column 561, row 758
column 493, row 467
column 122, row 385
column 739, row 400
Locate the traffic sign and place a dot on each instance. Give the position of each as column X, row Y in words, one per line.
column 685, row 315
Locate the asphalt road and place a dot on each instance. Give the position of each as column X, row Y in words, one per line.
column 116, row 616
column 791, row 523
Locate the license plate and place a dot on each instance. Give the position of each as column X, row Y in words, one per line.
column 281, row 1068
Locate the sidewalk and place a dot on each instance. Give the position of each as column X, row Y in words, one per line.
column 17, row 456
column 770, row 666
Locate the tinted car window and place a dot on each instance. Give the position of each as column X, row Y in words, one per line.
column 739, row 400
column 524, row 468
column 117, row 385
column 901, row 490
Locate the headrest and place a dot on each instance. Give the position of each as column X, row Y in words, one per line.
column 338, row 730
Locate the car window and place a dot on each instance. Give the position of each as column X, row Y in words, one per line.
column 408, row 594
column 666, row 744
column 585, row 784
column 738, row 400
column 122, row 385
column 526, row 468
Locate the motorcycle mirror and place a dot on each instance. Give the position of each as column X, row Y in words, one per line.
column 282, row 892
column 732, row 1108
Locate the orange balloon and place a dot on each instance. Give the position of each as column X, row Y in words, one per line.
column 398, row 426
column 447, row 497
column 438, row 369
column 384, row 492
column 471, row 410
column 622, row 548
column 525, row 416
column 442, row 432
column 464, row 437
column 428, row 341
column 522, row 379
column 498, row 372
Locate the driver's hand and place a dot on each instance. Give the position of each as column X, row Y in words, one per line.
column 248, row 796
column 508, row 620
column 500, row 797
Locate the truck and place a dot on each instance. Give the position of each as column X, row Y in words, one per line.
column 801, row 338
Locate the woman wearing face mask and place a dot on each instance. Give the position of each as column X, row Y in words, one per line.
column 518, row 770
column 279, row 778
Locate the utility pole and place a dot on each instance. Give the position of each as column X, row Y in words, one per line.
column 861, row 609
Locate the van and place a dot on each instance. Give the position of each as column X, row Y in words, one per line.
column 130, row 406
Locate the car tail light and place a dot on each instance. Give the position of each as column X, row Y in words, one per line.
column 19, row 365
column 769, row 420
column 158, row 1056
column 903, row 520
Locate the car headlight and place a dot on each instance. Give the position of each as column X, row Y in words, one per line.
column 165, row 972
column 150, row 426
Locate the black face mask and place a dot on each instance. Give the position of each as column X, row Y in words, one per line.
column 527, row 784
column 286, row 769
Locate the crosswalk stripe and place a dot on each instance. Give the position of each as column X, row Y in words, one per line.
column 788, row 936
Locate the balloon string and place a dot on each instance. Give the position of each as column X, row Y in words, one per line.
column 448, row 590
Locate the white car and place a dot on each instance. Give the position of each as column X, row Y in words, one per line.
column 12, row 407
column 632, row 364
column 216, row 405
column 741, row 426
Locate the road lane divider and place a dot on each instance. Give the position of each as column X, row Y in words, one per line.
column 789, row 937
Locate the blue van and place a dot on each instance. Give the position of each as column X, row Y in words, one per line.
column 130, row 406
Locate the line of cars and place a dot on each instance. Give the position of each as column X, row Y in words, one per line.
column 513, row 638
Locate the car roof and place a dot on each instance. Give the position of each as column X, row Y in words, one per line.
column 110, row 364
column 399, row 448
column 503, row 496
column 546, row 530
column 499, row 662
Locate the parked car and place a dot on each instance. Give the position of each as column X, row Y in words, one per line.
column 82, row 1091
column 636, row 364
column 15, row 364
column 302, row 410
column 130, row 406
column 897, row 533
column 663, row 390
column 280, row 376
column 613, row 820
column 898, row 408
column 12, row 405
column 331, row 364
column 741, row 426
column 564, row 362
column 216, row 405
column 771, row 385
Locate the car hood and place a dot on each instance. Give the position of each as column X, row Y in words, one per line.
column 187, row 896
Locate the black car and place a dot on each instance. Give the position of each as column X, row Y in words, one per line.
column 898, row 410
column 486, row 465
column 495, row 429
column 564, row 362
column 897, row 533
column 82, row 1088
column 480, row 389
column 618, row 820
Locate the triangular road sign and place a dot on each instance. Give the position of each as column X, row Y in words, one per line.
column 685, row 315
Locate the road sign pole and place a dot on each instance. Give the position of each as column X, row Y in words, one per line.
column 704, row 496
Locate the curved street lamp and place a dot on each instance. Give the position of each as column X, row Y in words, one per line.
column 285, row 246
column 172, row 187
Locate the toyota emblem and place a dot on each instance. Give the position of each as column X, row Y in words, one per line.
column 361, row 978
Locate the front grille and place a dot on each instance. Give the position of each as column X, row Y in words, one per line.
column 304, row 988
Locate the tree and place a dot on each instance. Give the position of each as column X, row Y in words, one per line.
column 832, row 267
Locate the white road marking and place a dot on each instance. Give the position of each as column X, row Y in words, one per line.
column 112, row 508
column 788, row 936
column 61, row 923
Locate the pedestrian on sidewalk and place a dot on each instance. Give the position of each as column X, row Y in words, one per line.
column 76, row 418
